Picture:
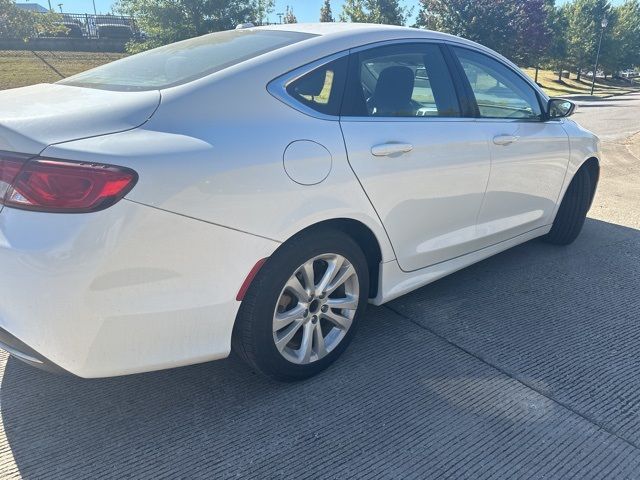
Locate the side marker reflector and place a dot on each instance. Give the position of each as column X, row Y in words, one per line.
column 247, row 281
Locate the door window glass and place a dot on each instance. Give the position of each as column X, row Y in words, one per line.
column 499, row 91
column 403, row 80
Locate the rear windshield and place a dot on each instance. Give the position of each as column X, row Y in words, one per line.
column 184, row 61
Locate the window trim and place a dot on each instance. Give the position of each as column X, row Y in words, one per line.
column 278, row 86
column 466, row 99
column 471, row 95
column 469, row 108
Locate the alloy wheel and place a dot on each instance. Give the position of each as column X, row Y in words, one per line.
column 316, row 308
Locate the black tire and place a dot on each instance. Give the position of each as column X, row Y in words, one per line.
column 573, row 210
column 253, row 334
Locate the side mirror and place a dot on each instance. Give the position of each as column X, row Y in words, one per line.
column 560, row 107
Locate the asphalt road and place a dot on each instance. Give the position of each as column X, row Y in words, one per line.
column 526, row 365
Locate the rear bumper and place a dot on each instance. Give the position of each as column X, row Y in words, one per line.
column 126, row 290
column 25, row 353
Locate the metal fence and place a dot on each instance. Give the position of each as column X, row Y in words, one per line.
column 83, row 25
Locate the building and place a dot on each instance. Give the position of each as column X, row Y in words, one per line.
column 32, row 7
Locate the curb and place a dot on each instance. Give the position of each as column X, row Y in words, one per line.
column 595, row 97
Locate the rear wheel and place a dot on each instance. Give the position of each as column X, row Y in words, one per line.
column 302, row 309
column 573, row 210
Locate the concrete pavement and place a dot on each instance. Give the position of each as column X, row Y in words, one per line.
column 616, row 121
column 525, row 365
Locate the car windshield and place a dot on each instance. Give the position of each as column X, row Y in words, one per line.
column 184, row 61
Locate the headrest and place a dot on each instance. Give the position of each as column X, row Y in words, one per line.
column 394, row 89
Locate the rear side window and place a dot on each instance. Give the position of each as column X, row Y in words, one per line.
column 322, row 88
column 184, row 61
column 403, row 80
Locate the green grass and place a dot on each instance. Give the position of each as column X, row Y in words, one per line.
column 549, row 81
column 19, row 68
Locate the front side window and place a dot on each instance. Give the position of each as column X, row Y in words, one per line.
column 184, row 61
column 322, row 88
column 403, row 80
column 499, row 91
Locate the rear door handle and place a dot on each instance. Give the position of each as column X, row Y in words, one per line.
column 391, row 148
column 505, row 139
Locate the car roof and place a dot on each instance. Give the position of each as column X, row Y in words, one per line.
column 346, row 28
column 334, row 37
column 352, row 35
column 327, row 28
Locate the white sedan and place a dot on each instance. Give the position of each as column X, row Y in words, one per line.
column 252, row 190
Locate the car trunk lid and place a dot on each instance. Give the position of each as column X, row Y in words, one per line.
column 31, row 118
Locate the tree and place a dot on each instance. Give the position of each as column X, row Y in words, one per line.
column 167, row 21
column 484, row 21
column 289, row 16
column 354, row 11
column 23, row 24
column 375, row 11
column 621, row 41
column 557, row 24
column 515, row 28
column 610, row 53
column 531, row 31
column 326, row 15
column 262, row 9
column 583, row 31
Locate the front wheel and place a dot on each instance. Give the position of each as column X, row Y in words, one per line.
column 573, row 210
column 302, row 309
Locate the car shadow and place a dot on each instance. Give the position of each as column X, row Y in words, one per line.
column 401, row 398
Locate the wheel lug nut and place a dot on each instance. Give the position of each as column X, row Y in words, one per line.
column 324, row 308
column 306, row 313
column 314, row 319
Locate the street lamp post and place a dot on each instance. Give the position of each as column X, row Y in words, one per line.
column 603, row 24
column 94, row 8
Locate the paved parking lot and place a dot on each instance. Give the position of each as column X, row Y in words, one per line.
column 526, row 365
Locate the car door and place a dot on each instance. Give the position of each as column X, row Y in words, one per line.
column 422, row 165
column 529, row 154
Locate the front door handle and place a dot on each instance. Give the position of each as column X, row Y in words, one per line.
column 505, row 139
column 391, row 148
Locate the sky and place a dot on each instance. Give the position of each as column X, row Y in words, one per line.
column 305, row 10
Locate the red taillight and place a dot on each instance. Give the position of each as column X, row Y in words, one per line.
column 49, row 185
column 10, row 165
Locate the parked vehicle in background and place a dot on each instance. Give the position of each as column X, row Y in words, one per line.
column 106, row 30
column 254, row 189
column 68, row 29
column 95, row 26
column 73, row 30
